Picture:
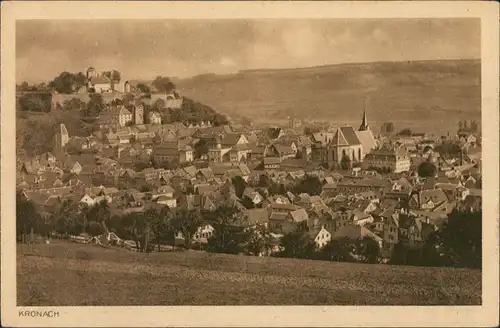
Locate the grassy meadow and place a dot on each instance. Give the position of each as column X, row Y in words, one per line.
column 79, row 275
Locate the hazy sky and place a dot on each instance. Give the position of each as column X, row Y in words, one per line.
column 144, row 49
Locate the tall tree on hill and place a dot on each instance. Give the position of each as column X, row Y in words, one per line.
column 369, row 250
column 65, row 219
column 227, row 236
column 187, row 222
column 297, row 244
column 163, row 84
column 94, row 106
column 68, row 82
column 461, row 238
column 113, row 75
column 27, row 217
column 141, row 87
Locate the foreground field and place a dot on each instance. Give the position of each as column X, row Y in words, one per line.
column 70, row 275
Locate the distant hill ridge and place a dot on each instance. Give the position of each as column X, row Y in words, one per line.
column 421, row 91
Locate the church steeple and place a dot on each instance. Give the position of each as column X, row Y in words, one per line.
column 364, row 123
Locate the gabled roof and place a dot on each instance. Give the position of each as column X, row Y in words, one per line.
column 350, row 135
column 299, row 215
column 339, row 139
column 99, row 79
column 271, row 160
column 124, row 111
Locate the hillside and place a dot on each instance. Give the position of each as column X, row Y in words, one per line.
column 71, row 275
column 400, row 91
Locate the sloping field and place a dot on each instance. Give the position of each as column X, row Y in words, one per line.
column 404, row 92
column 70, row 275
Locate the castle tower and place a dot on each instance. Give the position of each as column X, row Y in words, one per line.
column 364, row 123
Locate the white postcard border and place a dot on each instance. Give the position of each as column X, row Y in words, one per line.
column 298, row 316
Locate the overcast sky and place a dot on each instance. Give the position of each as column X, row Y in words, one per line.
column 144, row 49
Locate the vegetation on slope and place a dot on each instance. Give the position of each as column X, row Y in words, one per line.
column 399, row 91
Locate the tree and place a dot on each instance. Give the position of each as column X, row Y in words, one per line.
column 339, row 250
column 369, row 250
column 345, row 162
column 426, row 170
column 94, row 106
column 228, row 237
column 200, row 148
column 187, row 222
column 297, row 244
column 426, row 149
column 257, row 240
column 35, row 102
column 74, row 105
column 27, row 217
column 65, row 219
column 310, row 185
column 159, row 105
column 68, row 82
column 239, row 185
column 143, row 88
column 163, row 84
column 137, row 227
column 113, row 75
column 461, row 238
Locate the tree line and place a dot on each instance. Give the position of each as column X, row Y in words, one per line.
column 457, row 244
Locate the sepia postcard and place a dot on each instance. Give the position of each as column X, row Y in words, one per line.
column 249, row 164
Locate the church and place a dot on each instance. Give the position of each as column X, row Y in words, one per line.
column 352, row 144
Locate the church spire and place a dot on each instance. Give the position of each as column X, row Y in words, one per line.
column 364, row 124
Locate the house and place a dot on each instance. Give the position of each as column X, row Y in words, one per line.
column 390, row 233
column 172, row 151
column 355, row 232
column 322, row 238
column 254, row 196
column 283, row 222
column 163, row 191
column 124, row 116
column 413, row 231
column 361, row 218
column 428, row 199
column 271, row 163
column 282, row 151
column 257, row 216
column 203, row 233
column 154, row 118
column 387, row 160
column 319, row 147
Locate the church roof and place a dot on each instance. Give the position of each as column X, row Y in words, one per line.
column 367, row 140
column 345, row 136
column 339, row 139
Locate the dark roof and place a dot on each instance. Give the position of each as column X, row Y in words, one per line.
column 272, row 160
